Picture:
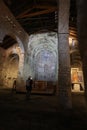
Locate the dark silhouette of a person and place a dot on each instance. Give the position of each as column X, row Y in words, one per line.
column 29, row 83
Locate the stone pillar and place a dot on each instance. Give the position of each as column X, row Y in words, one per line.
column 82, row 36
column 64, row 76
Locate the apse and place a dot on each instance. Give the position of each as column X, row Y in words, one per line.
column 43, row 56
column 45, row 68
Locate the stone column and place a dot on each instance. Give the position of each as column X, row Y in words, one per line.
column 64, row 76
column 82, row 36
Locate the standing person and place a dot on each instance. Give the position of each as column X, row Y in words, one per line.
column 29, row 83
column 14, row 86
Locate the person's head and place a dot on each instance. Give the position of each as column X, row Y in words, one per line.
column 29, row 77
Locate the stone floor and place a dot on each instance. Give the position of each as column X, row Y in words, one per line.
column 41, row 112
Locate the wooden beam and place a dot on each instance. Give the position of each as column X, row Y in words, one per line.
column 24, row 12
column 38, row 13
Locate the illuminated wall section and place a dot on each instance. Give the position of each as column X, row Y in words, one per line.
column 13, row 60
column 43, row 56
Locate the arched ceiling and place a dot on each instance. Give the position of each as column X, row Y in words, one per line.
column 37, row 15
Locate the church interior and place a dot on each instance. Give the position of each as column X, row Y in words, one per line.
column 45, row 39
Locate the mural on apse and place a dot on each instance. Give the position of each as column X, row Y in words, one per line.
column 46, row 66
column 43, row 56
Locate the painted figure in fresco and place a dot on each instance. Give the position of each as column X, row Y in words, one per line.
column 29, row 83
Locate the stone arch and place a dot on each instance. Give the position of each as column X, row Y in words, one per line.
column 14, row 39
column 20, row 44
column 14, row 57
column 8, row 41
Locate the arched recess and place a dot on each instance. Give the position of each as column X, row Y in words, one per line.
column 14, row 58
column 12, row 66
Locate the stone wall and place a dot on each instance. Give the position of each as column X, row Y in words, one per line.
column 2, row 60
column 11, row 60
column 9, row 26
